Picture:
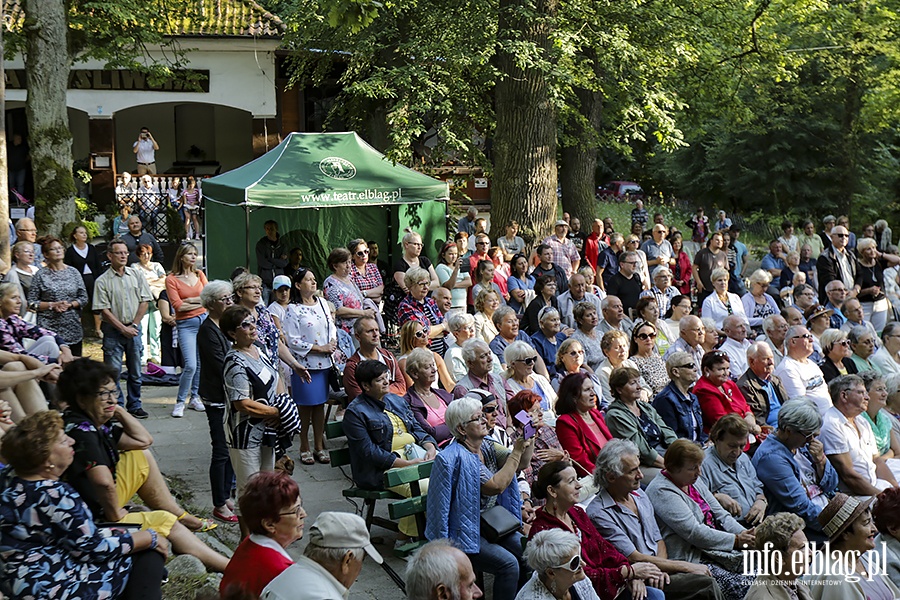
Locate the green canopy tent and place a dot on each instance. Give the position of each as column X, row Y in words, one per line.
column 350, row 191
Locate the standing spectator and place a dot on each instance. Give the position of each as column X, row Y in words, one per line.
column 86, row 260
column 451, row 275
column 150, row 203
column 811, row 238
column 311, row 335
column 626, row 285
column 192, row 198
column 577, row 236
column 565, row 255
column 594, row 244
column 825, row 235
column 870, row 281
column 121, row 295
column 706, row 261
column 882, row 235
column 658, row 249
column 342, row 292
column 145, row 152
column 27, row 232
column 789, row 241
column 396, row 289
column 17, row 160
column 136, row 237
column 363, row 273
column 480, row 229
column 633, row 244
column 213, row 345
column 155, row 275
column 837, row 262
column 271, row 257
column 639, row 214
column 608, row 260
column 699, row 225
column 466, row 224
column 682, row 272
column 511, row 244
column 520, row 284
column 741, row 254
column 724, row 223
column 183, row 286
column 175, row 195
column 57, row 295
column 125, row 188
column 548, row 267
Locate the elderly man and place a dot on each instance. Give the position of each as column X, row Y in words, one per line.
column 762, row 389
column 837, row 262
column 466, row 224
column 444, row 300
column 577, row 292
column 799, row 375
column 624, row 516
column 331, row 562
column 676, row 403
column 614, row 316
column 565, row 254
column 440, row 571
column 548, row 267
column 791, row 464
column 480, row 360
column 849, row 442
column 662, row 290
column 608, row 260
column 837, row 294
column 626, row 284
column 690, row 338
column 735, row 344
column 885, row 359
column 658, row 249
column 793, row 316
column 27, row 232
column 774, row 330
column 136, row 237
column 367, row 335
column 855, row 317
column 773, row 262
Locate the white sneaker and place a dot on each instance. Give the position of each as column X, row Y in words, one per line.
column 178, row 411
column 196, row 404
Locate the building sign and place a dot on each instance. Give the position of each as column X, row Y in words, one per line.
column 187, row 80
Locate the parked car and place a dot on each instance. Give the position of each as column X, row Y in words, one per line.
column 618, row 191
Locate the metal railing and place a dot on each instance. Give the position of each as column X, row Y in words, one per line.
column 160, row 206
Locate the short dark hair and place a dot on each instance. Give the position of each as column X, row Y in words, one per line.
column 81, row 379
column 265, row 496
column 271, row 222
column 540, row 249
column 232, row 318
column 237, row 272
column 541, row 282
column 548, row 476
column 338, row 255
column 113, row 242
column 711, row 359
column 368, row 371
column 619, row 377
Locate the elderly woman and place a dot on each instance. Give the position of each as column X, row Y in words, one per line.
column 570, row 359
column 712, row 336
column 586, row 332
column 580, row 426
column 869, row 282
column 213, row 345
column 113, row 462
column 729, row 474
column 364, row 274
column 453, row 275
column 848, row 523
column 417, row 306
column 756, row 302
column 397, row 288
column 547, row 340
column 836, row 354
column 694, row 525
column 342, row 292
column 887, row 519
column 14, row 331
column 471, row 475
column 718, row 394
column 887, row 441
column 428, row 402
column 646, row 357
column 614, row 346
column 520, row 284
column 521, row 359
column 782, row 540
column 414, row 335
column 630, row 419
column 273, row 511
column 545, row 296
column 606, row 568
column 647, row 310
column 462, row 328
column 51, row 547
column 248, row 293
column 311, row 334
column 721, row 302
column 57, row 295
column 555, row 556
column 546, row 445
column 862, row 342
column 22, row 271
column 486, row 303
column 480, row 364
column 791, row 464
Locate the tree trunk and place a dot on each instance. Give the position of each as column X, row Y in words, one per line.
column 4, row 181
column 47, row 65
column 524, row 184
column 578, row 168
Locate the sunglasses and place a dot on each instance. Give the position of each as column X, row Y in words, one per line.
column 689, row 365
column 488, row 409
column 646, row 336
column 805, row 336
column 529, row 361
column 844, row 343
column 362, row 253
column 247, row 325
column 574, row 565
column 421, row 334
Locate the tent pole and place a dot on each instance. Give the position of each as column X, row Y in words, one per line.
column 247, row 221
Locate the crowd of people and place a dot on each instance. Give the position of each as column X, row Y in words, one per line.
column 644, row 417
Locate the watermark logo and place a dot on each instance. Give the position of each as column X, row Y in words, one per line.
column 814, row 560
column 337, row 168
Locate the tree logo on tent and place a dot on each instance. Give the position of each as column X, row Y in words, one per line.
column 337, row 168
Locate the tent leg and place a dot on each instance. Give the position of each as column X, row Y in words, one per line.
column 247, row 219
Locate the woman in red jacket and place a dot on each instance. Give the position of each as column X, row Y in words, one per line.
column 718, row 394
column 580, row 426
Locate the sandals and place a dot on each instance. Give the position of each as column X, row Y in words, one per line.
column 322, row 457
column 205, row 524
column 233, row 518
column 307, row 458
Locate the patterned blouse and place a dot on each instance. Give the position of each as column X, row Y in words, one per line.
column 343, row 295
column 366, row 281
column 246, row 377
column 305, row 326
column 53, row 286
column 14, row 329
column 268, row 333
column 49, row 546
column 653, row 370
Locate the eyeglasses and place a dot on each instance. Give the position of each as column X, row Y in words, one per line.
column 423, row 283
column 476, row 419
column 252, row 287
column 576, row 353
column 248, row 324
column 529, row 361
column 229, row 299
column 421, row 334
column 845, row 343
column 846, row 235
column 810, row 436
column 646, row 336
column 297, row 512
column 573, row 565
column 362, row 253
column 805, row 336
column 481, row 243
column 108, row 395
column 417, row 244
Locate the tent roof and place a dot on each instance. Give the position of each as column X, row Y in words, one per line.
column 315, row 170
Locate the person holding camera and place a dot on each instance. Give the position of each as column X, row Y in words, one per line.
column 145, row 152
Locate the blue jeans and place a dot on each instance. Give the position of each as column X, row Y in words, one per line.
column 114, row 345
column 186, row 330
column 504, row 561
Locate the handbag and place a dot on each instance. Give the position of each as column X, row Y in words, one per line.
column 497, row 523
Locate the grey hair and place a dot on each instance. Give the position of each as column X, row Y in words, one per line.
column 518, row 350
column 616, row 237
column 719, row 273
column 662, row 271
column 410, row 236
column 830, row 337
column 458, row 412
column 799, row 414
column 500, row 314
column 677, row 359
column 778, row 530
column 856, row 333
column 418, row 359
column 609, row 460
column 892, row 383
column 842, row 383
column 458, row 320
column 709, row 324
column 470, row 349
column 687, row 321
column 755, row 348
column 865, row 244
column 769, row 323
column 414, row 274
column 331, row 558
column 761, row 276
column 871, row 376
column 432, row 565
column 8, row 287
column 214, row 290
column 549, row 548
column 793, row 331
column 890, row 329
column 547, row 312
column 244, row 279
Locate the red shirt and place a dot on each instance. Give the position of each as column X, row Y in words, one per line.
column 254, row 565
column 714, row 404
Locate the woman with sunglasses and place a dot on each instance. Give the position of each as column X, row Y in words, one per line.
column 607, row 569
column 721, row 302
column 647, row 309
column 836, row 350
column 520, row 359
column 719, row 395
column 570, row 359
column 365, row 275
column 645, row 355
column 412, row 336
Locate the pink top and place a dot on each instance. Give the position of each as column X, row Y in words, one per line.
column 435, row 416
column 177, row 290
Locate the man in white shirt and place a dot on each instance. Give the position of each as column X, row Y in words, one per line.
column 736, row 344
column 799, row 375
column 849, row 442
column 885, row 358
column 145, row 152
column 690, row 336
column 775, row 329
column 318, row 574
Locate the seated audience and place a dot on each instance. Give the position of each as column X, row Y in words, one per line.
column 51, row 547
column 570, row 359
column 547, row 340
column 757, row 303
column 887, row 358
column 647, row 310
column 886, row 515
column 579, row 291
column 486, row 303
column 644, row 354
column 690, row 340
column 273, row 512
column 774, row 330
column 556, row 557
column 588, row 333
column 781, row 537
column 418, row 306
column 368, row 338
column 606, row 568
column 480, row 362
column 762, row 389
column 677, row 404
column 427, row 402
column 546, row 445
column 721, row 303
column 735, row 344
column 887, row 440
column 413, row 335
column 545, row 291
column 679, row 308
column 800, row 375
column 862, row 342
column 440, row 570
column 615, row 346
column 712, row 336
column 522, row 360
column 15, row 331
column 580, row 426
column 718, row 395
column 614, row 317
column 507, row 324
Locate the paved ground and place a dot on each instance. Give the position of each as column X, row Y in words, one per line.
column 182, row 449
